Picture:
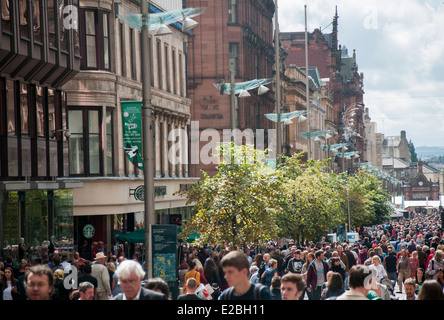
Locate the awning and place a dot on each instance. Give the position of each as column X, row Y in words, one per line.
column 137, row 236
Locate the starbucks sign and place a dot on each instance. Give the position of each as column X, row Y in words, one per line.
column 88, row 231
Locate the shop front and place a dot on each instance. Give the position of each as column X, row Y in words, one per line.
column 36, row 223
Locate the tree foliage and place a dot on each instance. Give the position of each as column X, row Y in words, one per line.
column 247, row 202
column 239, row 205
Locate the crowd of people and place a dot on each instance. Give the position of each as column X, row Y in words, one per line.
column 402, row 259
column 404, row 256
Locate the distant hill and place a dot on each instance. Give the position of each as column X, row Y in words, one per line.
column 426, row 153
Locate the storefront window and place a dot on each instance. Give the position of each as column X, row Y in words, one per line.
column 10, row 224
column 43, row 219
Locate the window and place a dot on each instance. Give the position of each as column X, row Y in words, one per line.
column 94, row 34
column 36, row 21
column 232, row 11
column 91, row 50
column 234, row 58
column 63, row 31
column 122, row 50
column 181, row 76
column 132, row 55
column 106, row 42
column 6, row 12
column 24, row 18
column 29, row 145
column 159, row 64
column 84, row 142
column 174, row 67
column 52, row 15
column 109, row 143
column 167, row 69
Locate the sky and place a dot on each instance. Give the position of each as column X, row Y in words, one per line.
column 400, row 49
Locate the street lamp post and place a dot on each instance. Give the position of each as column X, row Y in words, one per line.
column 142, row 22
column 148, row 139
column 307, row 87
column 278, row 84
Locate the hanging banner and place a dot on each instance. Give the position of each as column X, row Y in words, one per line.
column 132, row 131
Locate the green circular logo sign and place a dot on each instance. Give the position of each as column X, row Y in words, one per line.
column 88, row 231
column 139, row 193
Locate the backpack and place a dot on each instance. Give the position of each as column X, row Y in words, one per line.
column 257, row 292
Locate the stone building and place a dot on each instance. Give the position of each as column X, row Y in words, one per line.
column 344, row 81
column 39, row 54
column 231, row 34
column 110, row 75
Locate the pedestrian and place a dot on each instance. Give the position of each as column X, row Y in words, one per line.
column 422, row 257
column 86, row 275
column 403, row 268
column 193, row 272
column 435, row 264
column 356, row 282
column 390, row 265
column 337, row 266
column 419, row 279
column 100, row 272
column 21, row 284
column 111, row 270
column 295, row 263
column 317, row 275
column 39, row 282
column 61, row 292
column 86, row 291
column 269, row 273
column 159, row 285
column 212, row 273
column 414, row 263
column 334, row 286
column 265, row 264
column 430, row 290
column 292, row 286
column 440, row 276
column 9, row 286
column 381, row 273
column 275, row 288
column 131, row 274
column 409, row 287
column 378, row 290
column 236, row 269
column 310, row 258
column 254, row 274
column 191, row 291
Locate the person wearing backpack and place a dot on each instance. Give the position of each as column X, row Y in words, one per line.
column 270, row 273
column 236, row 269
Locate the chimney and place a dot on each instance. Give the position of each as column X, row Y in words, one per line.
column 403, row 135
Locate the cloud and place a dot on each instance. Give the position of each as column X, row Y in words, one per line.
column 400, row 49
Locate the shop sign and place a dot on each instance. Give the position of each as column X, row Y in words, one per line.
column 88, row 231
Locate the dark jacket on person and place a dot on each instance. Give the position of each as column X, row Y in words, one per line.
column 145, row 294
column 312, row 274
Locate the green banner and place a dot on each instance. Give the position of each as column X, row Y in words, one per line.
column 132, row 131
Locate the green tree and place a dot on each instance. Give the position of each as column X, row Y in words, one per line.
column 367, row 199
column 313, row 200
column 238, row 205
column 413, row 155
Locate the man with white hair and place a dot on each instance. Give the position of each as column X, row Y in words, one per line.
column 130, row 274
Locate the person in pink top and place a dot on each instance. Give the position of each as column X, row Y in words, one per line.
column 414, row 263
